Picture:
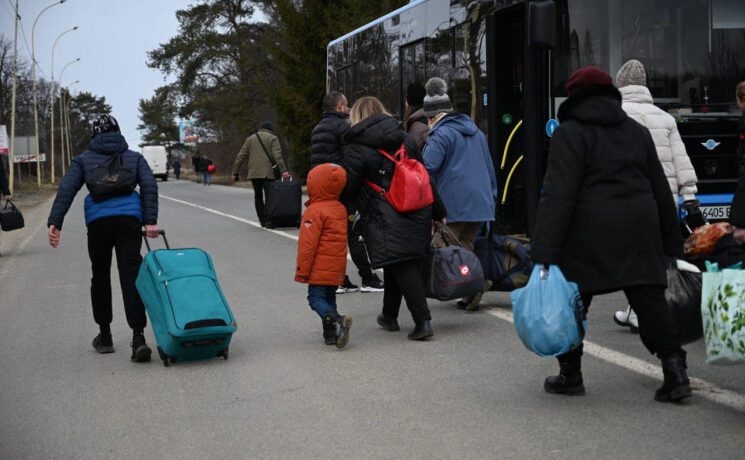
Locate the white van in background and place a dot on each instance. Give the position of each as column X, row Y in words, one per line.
column 157, row 158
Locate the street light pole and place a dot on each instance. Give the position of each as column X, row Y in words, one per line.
column 12, row 151
column 52, row 102
column 33, row 76
column 63, row 123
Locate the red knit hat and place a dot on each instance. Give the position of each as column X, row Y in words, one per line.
column 587, row 76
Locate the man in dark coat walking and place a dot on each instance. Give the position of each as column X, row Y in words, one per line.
column 607, row 219
column 325, row 147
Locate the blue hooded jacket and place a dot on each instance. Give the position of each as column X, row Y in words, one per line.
column 144, row 208
column 458, row 160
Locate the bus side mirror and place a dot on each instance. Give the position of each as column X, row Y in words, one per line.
column 541, row 24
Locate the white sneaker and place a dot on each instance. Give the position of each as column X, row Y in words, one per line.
column 627, row 318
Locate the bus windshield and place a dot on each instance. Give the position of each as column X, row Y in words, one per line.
column 693, row 50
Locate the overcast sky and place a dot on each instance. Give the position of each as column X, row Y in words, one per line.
column 112, row 41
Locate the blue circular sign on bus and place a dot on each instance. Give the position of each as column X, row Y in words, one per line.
column 551, row 126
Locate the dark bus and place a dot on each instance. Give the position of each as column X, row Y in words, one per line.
column 507, row 62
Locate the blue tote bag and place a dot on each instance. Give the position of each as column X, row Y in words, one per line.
column 548, row 312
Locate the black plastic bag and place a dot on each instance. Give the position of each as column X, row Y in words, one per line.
column 683, row 296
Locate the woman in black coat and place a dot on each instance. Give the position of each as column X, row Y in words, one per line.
column 607, row 219
column 737, row 213
column 396, row 242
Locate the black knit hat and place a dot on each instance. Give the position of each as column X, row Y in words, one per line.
column 437, row 100
column 104, row 124
column 268, row 125
column 415, row 94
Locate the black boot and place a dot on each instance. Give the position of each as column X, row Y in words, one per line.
column 329, row 331
column 676, row 385
column 569, row 380
column 103, row 343
column 422, row 330
column 388, row 324
column 140, row 351
column 342, row 335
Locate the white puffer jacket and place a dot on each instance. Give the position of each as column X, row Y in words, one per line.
column 638, row 104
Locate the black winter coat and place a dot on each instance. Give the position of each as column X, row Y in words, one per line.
column 99, row 150
column 737, row 213
column 326, row 139
column 606, row 216
column 4, row 186
column 390, row 237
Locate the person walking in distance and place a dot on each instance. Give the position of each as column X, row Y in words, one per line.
column 631, row 81
column 458, row 160
column 322, row 249
column 114, row 222
column 176, row 168
column 606, row 217
column 196, row 161
column 325, row 147
column 263, row 152
column 204, row 168
column 398, row 242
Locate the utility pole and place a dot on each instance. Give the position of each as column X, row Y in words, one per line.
column 52, row 98
column 11, row 153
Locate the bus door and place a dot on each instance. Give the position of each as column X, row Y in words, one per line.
column 505, row 36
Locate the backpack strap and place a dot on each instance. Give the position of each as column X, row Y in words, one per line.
column 400, row 155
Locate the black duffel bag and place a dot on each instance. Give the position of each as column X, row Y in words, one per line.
column 111, row 179
column 683, row 296
column 10, row 217
column 453, row 271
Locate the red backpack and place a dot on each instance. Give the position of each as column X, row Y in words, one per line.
column 410, row 189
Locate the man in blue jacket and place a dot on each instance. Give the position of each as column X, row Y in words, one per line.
column 458, row 160
column 114, row 223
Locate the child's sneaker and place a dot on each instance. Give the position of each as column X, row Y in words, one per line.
column 342, row 332
column 329, row 331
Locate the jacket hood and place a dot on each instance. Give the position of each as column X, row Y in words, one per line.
column 460, row 122
column 598, row 105
column 377, row 131
column 108, row 143
column 326, row 182
column 636, row 93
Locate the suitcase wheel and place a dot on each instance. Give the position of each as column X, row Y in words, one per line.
column 165, row 357
column 224, row 354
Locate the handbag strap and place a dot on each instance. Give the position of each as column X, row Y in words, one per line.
column 445, row 231
column 271, row 160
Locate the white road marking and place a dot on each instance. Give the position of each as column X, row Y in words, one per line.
column 231, row 216
column 703, row 388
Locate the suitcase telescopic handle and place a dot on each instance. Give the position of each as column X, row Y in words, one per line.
column 161, row 233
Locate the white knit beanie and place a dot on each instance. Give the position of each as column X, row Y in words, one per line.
column 437, row 99
column 631, row 73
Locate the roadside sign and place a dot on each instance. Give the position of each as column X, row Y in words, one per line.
column 551, row 126
column 29, row 158
column 3, row 140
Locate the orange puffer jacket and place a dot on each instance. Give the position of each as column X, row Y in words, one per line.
column 322, row 246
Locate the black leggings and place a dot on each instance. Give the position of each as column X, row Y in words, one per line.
column 124, row 235
column 657, row 328
column 405, row 279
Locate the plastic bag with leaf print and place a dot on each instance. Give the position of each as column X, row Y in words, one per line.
column 723, row 313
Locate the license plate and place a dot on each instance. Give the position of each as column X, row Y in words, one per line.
column 715, row 212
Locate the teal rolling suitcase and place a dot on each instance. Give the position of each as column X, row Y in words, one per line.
column 188, row 312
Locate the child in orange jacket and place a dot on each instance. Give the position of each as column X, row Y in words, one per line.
column 322, row 249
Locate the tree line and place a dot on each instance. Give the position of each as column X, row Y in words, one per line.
column 235, row 63
column 83, row 106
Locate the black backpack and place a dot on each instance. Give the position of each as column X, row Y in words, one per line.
column 110, row 179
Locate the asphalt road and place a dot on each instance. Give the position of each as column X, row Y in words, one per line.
column 472, row 392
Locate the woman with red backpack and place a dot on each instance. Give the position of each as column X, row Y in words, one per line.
column 398, row 205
